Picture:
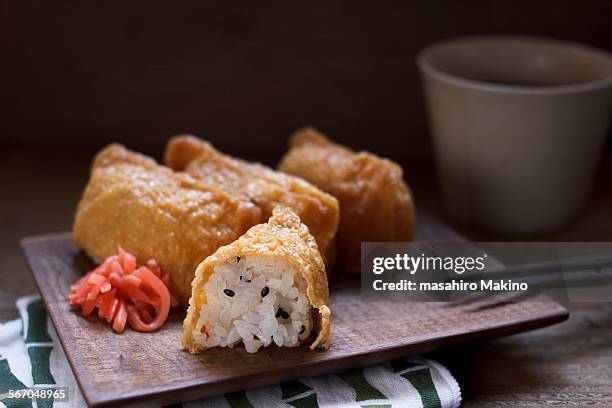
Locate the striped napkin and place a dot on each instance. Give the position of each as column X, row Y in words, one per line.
column 30, row 355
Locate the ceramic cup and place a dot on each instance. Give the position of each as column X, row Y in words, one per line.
column 518, row 125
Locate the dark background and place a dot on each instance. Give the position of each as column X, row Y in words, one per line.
column 76, row 75
column 79, row 74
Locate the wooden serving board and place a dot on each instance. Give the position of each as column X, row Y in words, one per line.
column 136, row 368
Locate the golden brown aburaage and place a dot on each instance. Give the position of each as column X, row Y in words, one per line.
column 153, row 212
column 375, row 203
column 267, row 188
column 283, row 237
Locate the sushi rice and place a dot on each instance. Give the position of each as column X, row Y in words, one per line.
column 255, row 300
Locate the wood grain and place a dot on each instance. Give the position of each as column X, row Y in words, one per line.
column 136, row 368
column 564, row 365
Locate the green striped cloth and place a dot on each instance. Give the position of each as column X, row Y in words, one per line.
column 31, row 355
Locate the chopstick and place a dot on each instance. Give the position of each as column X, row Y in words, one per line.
column 570, row 272
column 546, row 268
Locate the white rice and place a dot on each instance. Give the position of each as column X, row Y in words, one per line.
column 249, row 317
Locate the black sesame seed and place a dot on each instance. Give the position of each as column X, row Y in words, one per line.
column 302, row 329
column 248, row 281
column 279, row 312
column 265, row 291
column 285, row 315
column 229, row 292
column 240, row 277
column 237, row 259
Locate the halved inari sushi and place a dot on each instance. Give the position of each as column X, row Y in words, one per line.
column 269, row 286
column 267, row 188
column 375, row 202
column 132, row 202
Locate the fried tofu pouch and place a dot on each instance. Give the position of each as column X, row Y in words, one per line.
column 267, row 188
column 375, row 203
column 269, row 286
column 153, row 212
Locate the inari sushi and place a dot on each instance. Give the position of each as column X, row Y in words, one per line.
column 375, row 202
column 265, row 187
column 153, row 212
column 268, row 287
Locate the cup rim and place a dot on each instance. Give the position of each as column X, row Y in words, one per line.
column 424, row 65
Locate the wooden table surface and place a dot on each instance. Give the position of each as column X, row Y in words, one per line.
column 569, row 364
